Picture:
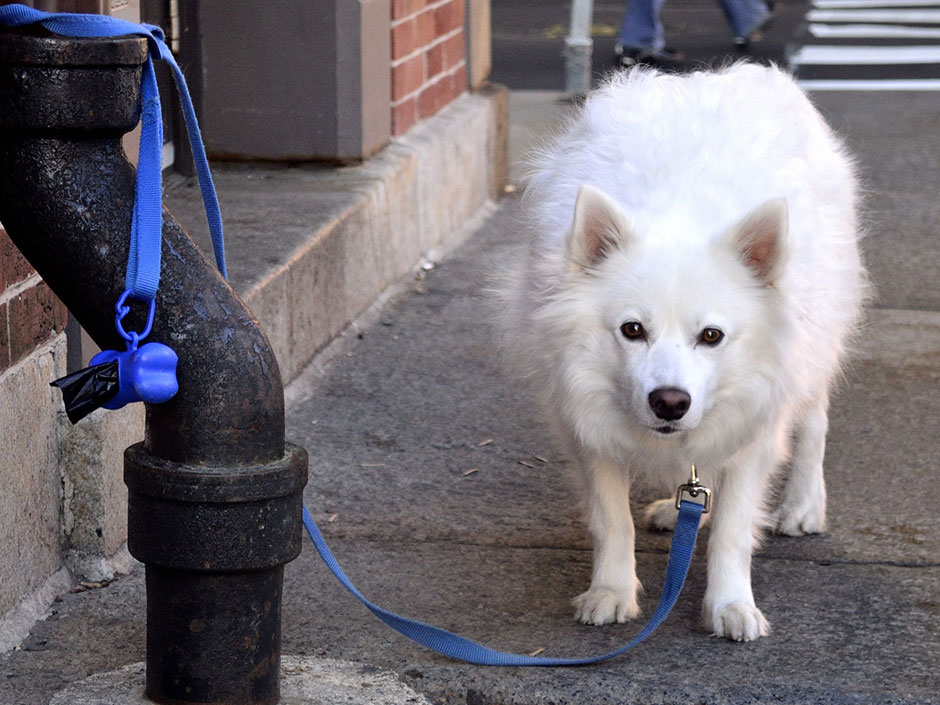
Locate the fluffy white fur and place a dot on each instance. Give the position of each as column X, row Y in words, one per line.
column 715, row 201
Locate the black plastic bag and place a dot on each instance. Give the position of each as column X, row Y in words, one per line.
column 88, row 389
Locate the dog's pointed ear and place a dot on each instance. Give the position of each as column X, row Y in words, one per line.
column 760, row 240
column 599, row 227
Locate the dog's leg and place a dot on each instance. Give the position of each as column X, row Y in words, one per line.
column 729, row 608
column 803, row 508
column 614, row 586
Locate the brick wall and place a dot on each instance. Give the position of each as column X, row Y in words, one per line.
column 30, row 314
column 429, row 66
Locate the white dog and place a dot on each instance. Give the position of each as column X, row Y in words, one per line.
column 686, row 298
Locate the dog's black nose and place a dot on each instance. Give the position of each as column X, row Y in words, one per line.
column 669, row 403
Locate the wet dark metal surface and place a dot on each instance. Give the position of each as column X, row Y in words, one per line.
column 48, row 83
column 214, row 507
column 208, row 632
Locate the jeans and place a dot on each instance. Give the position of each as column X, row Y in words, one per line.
column 744, row 16
column 642, row 29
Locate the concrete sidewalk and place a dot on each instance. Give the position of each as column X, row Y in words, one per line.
column 445, row 498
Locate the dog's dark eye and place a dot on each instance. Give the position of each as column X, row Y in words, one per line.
column 633, row 330
column 711, row 336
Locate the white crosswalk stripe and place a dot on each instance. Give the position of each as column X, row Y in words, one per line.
column 850, row 4
column 865, row 85
column 893, row 16
column 870, row 45
column 872, row 31
column 866, row 55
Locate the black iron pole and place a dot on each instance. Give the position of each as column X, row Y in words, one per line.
column 214, row 490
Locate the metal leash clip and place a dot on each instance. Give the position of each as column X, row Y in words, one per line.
column 694, row 488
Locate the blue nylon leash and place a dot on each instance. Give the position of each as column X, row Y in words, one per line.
column 143, row 267
column 449, row 644
column 142, row 280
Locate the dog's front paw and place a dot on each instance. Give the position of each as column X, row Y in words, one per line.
column 661, row 515
column 793, row 519
column 738, row 621
column 604, row 605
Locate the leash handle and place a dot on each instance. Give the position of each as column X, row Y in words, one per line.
column 454, row 646
column 143, row 266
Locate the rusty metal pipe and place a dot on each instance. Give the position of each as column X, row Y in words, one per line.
column 214, row 491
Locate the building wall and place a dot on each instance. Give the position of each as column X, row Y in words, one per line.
column 429, row 58
column 62, row 498
column 336, row 103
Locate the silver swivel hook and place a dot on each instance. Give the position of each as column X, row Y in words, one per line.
column 694, row 488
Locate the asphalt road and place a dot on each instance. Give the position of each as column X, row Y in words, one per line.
column 831, row 41
column 528, row 37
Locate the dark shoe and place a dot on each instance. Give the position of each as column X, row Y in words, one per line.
column 665, row 58
column 743, row 43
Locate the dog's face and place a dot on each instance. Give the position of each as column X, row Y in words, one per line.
column 670, row 334
column 666, row 358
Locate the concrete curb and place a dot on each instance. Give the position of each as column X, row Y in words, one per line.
column 16, row 623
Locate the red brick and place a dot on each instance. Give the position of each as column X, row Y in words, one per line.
column 36, row 316
column 404, row 116
column 455, row 50
column 403, row 8
column 4, row 339
column 407, row 77
column 13, row 266
column 404, row 39
column 425, row 32
column 435, row 59
column 448, row 17
column 399, row 9
column 458, row 82
column 433, row 98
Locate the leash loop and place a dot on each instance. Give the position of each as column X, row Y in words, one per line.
column 121, row 311
column 147, row 374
